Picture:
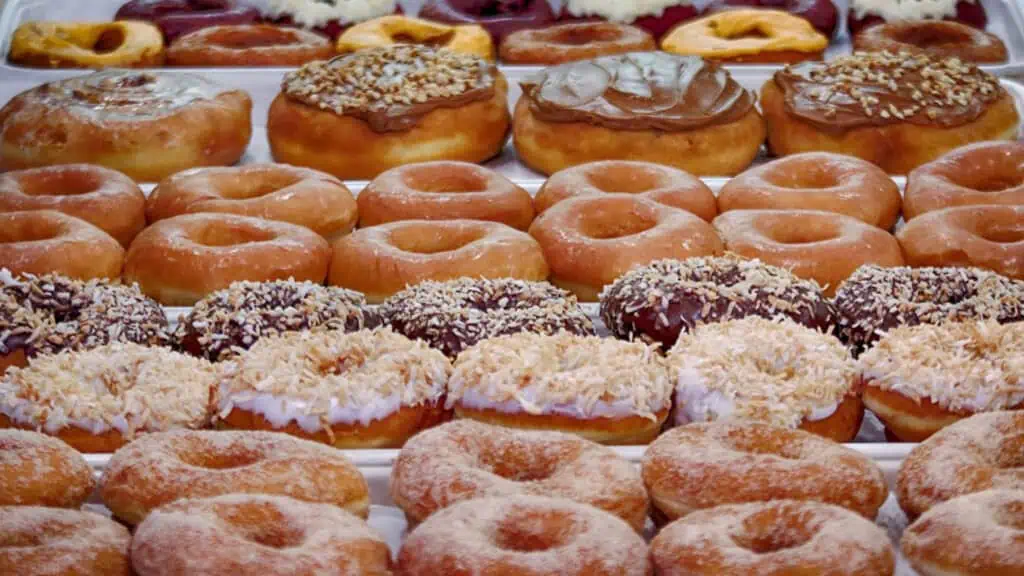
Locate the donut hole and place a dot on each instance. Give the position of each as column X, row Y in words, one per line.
column 533, row 531
column 771, row 531
column 26, row 232
column 931, row 36
column 108, row 41
column 414, row 240
column 582, row 36
column 1001, row 234
column 216, row 236
column 276, row 536
column 266, row 36
column 804, row 235
column 608, row 225
column 62, row 183
column 809, row 176
column 624, row 181
column 1011, row 452
column 743, row 33
column 263, row 524
column 266, row 183
column 519, row 463
column 991, row 182
column 438, row 182
column 219, row 460
column 435, row 41
column 1011, row 515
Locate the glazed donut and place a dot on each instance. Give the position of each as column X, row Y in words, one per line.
column 820, row 246
column 256, row 534
column 157, row 469
column 748, row 36
column 990, row 237
column 938, row 39
column 279, row 192
column 773, row 371
column 526, row 536
column 590, row 241
column 605, row 390
column 573, row 41
column 46, row 241
column 663, row 184
column 655, row 16
column 975, row 454
column 865, row 13
column 103, row 197
column 36, row 541
column 391, row 30
column 782, row 537
column 382, row 260
column 228, row 321
column 817, row 181
column 444, row 191
column 499, row 17
column 703, row 290
column 180, row 260
column 41, row 471
column 179, row 17
column 463, row 460
column 893, row 110
column 983, row 173
column 455, row 107
column 573, row 114
column 822, row 14
column 248, row 45
column 920, row 379
column 147, row 125
column 874, row 300
column 366, row 389
column 87, row 45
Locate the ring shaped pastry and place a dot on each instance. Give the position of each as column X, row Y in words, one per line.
column 867, row 13
column 37, row 540
column 822, row 14
column 390, row 30
column 940, row 39
column 990, row 237
column 983, row 173
column 67, row 481
column 573, row 41
column 45, row 241
column 176, row 18
column 748, row 36
column 499, row 17
column 248, row 45
column 87, row 45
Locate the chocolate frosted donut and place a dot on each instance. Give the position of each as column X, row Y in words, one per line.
column 452, row 316
column 659, row 301
column 233, row 319
column 874, row 300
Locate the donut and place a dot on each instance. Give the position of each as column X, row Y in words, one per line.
column 920, row 379
column 816, row 245
column 590, row 241
column 983, row 173
column 817, row 181
column 53, row 44
column 382, row 260
column 573, row 41
column 781, row 537
column 662, row 184
column 179, row 17
column 463, row 460
column 895, row 110
column 454, row 107
column 37, row 470
column 573, row 114
column 147, row 125
column 604, row 390
column 972, row 455
column 865, row 13
column 874, row 300
column 697, row 291
column 228, row 321
column 256, row 534
column 390, row 30
column 36, row 541
column 160, row 468
column 47, row 241
column 19, row 327
column 444, row 190
column 280, row 192
column 938, row 39
column 499, row 17
column 103, row 197
column 655, row 16
column 975, row 534
column 248, row 45
column 526, row 536
column 822, row 14
column 990, row 237
column 99, row 399
column 180, row 260
column 366, row 389
column 748, row 36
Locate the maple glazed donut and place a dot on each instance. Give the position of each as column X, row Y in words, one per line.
column 158, row 469
column 939, row 39
column 35, row 540
column 526, row 536
column 920, row 379
column 576, row 113
column 434, row 105
column 817, row 181
column 983, row 173
column 990, row 237
column 248, row 45
column 87, row 45
column 866, row 13
column 590, row 241
column 464, row 459
column 752, row 35
column 47, row 241
column 573, row 41
column 146, row 124
column 38, row 470
column 395, row 29
column 444, row 190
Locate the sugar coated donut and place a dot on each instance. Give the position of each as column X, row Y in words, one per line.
column 159, row 468
column 748, row 35
column 990, row 237
column 983, row 173
column 526, row 536
column 444, row 190
column 37, row 541
column 573, row 41
column 605, row 390
column 820, row 246
column 397, row 29
column 37, row 470
column 920, row 379
column 382, row 260
column 940, row 39
column 782, row 537
column 51, row 44
column 47, row 241
column 663, row 184
column 464, row 459
column 248, row 45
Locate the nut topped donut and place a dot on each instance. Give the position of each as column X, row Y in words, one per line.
column 990, row 237
column 983, row 173
column 248, row 45
column 572, row 41
column 47, row 241
column 463, row 460
column 37, row 541
column 37, row 470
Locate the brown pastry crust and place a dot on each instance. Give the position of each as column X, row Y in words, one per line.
column 46, row 241
column 248, row 45
column 573, row 41
column 990, row 237
column 937, row 38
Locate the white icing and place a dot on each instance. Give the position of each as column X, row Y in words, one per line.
column 526, row 401
column 8, row 279
column 893, row 10
column 624, row 10
column 18, row 410
column 992, row 394
column 318, row 12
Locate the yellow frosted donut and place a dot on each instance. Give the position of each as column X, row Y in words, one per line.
column 750, row 36
column 388, row 30
column 123, row 44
